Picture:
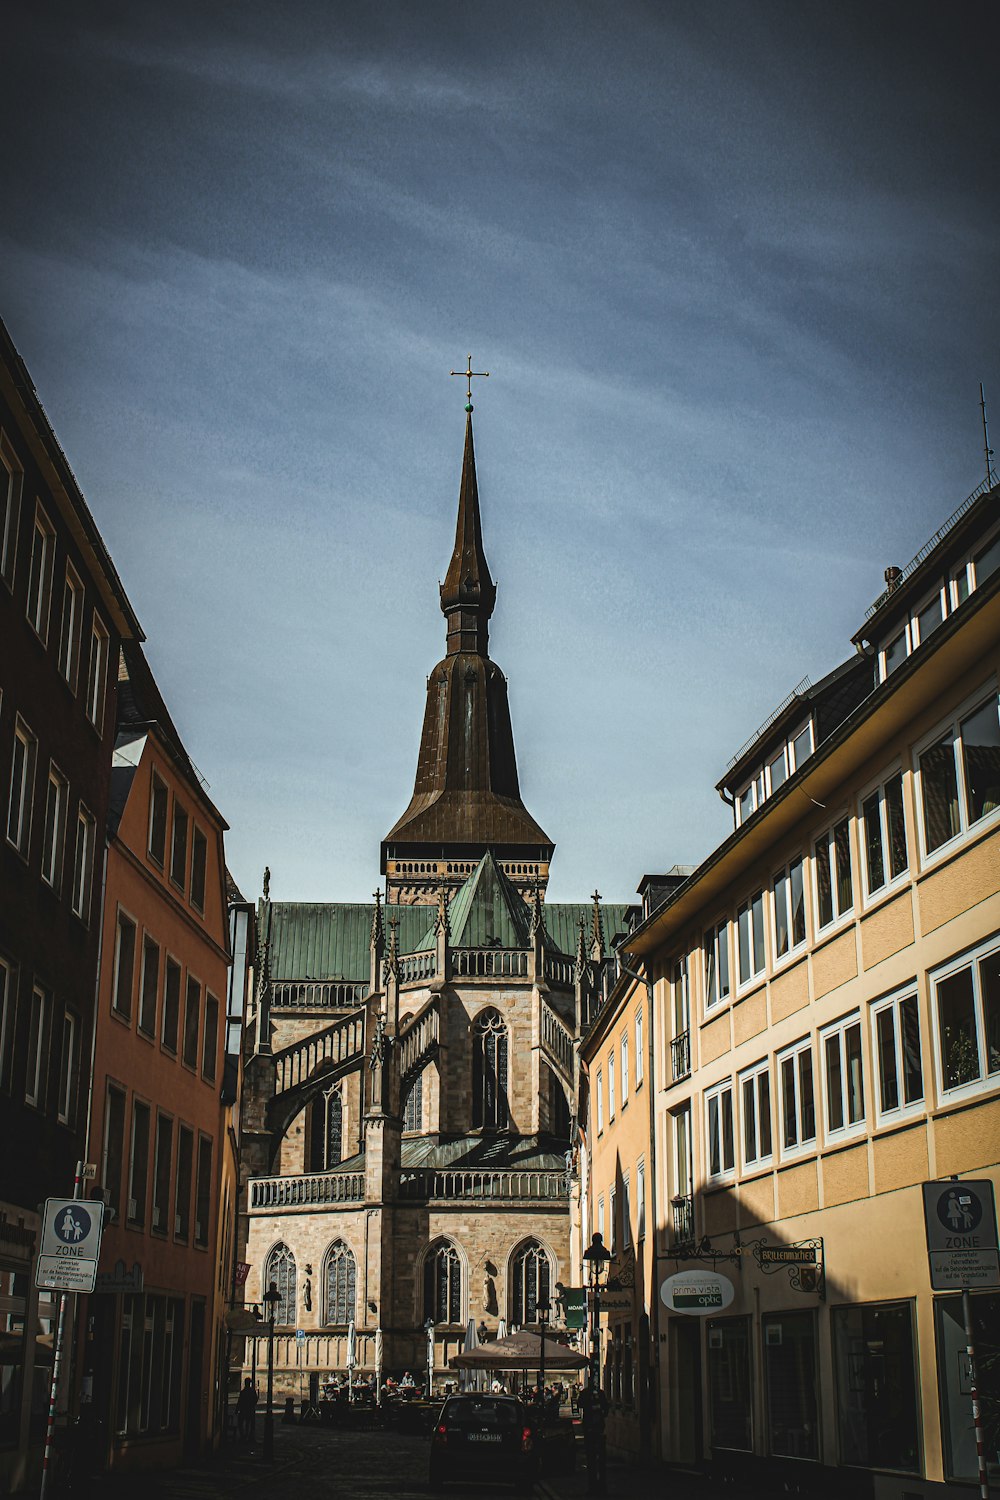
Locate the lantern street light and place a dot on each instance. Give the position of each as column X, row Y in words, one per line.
column 593, row 1401
column 542, row 1310
column 271, row 1297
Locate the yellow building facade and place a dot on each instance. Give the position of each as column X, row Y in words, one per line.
column 826, row 1009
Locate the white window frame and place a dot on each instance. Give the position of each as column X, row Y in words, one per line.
column 838, row 1031
column 34, row 1071
column 682, row 1151
column 681, row 992
column 71, row 627
column 600, row 1217
column 916, row 636
column 83, row 863
column 794, row 945
column 600, row 1100
column 986, row 1082
column 56, row 809
column 890, row 883
column 39, row 616
column 64, row 1108
column 717, row 941
column 952, row 726
column 11, row 481
column 715, row 1131
column 794, row 763
column 756, row 974
column 612, row 1239
column 794, row 1055
column 903, row 634
column 626, row 1213
column 20, row 836
column 640, row 1200
column 97, row 670
column 893, row 1005
column 757, row 1080
column 624, row 1064
column 841, row 915
column 640, row 1062
column 611, row 1085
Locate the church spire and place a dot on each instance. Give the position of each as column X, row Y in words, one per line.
column 468, row 593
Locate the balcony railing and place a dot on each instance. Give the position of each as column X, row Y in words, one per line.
column 416, row 966
column 560, row 971
column 304, row 1191
column 557, row 1039
column 683, row 1218
column 326, row 994
column 426, row 1185
column 487, row 963
column 680, row 1056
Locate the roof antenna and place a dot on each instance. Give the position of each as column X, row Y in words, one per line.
column 987, row 450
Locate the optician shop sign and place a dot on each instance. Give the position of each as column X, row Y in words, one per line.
column 697, row 1293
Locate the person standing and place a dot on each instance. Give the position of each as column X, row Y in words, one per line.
column 246, row 1411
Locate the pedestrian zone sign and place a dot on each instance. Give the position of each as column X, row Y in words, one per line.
column 71, row 1245
column 961, row 1223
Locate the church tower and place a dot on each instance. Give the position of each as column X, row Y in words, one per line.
column 466, row 798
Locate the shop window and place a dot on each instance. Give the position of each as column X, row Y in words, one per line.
column 790, row 1384
column 955, row 1383
column 877, row 1421
column 730, row 1400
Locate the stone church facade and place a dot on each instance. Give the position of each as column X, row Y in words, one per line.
column 410, row 1062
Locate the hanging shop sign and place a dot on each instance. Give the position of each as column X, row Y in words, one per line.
column 697, row 1293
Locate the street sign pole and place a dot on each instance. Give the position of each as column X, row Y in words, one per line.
column 977, row 1418
column 57, row 1357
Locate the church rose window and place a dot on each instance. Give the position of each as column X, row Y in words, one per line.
column 443, row 1285
column 489, row 1071
column 530, row 1283
column 280, row 1269
column 341, row 1278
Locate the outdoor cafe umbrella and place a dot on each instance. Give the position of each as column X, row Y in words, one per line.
column 352, row 1356
column 470, row 1379
column 519, row 1351
column 379, row 1356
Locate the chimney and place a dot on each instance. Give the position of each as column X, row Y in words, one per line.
column 893, row 577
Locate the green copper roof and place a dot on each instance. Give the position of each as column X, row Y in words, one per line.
column 562, row 922
column 487, row 912
column 516, row 1153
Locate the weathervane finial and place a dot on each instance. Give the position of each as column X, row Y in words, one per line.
column 469, row 373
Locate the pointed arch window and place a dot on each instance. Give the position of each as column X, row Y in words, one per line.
column 413, row 1110
column 326, row 1149
column 530, row 1282
column 443, row 1285
column 280, row 1269
column 341, row 1283
column 489, row 1071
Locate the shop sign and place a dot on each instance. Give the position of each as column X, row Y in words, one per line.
column 697, row 1293
column 786, row 1255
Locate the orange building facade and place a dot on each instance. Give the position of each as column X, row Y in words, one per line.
column 153, row 1360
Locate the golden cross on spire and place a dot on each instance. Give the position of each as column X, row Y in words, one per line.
column 469, row 373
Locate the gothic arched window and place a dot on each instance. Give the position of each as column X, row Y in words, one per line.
column 529, row 1282
column 326, row 1132
column 341, row 1281
column 443, row 1285
column 413, row 1109
column 489, row 1071
column 280, row 1269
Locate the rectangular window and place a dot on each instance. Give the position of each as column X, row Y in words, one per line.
column 790, row 1384
column 639, row 1056
column 161, row 1173
column 640, row 1203
column 114, row 1143
column 624, row 1052
column 66, row 1107
column 600, row 1217
column 138, row 1166
column 777, row 771
column 896, row 1024
column 980, row 739
column 984, row 562
column 203, row 1195
column 182, row 1206
column 171, row 1005
column 199, row 857
column 961, row 1457
column 959, row 776
column 158, row 820
column 894, row 654
column 600, row 1101
column 7, row 984
column 124, row 966
column 626, row 1214
column 834, row 886
column 682, row 998
column 54, row 833
column 798, row 1102
column 97, row 676
column 611, row 1086
column 719, row 1109
column 883, row 830
column 10, row 504
column 71, row 628
column 716, row 964
column 682, row 1199
column 966, row 998
column 83, row 863
column 750, row 928
column 210, row 1039
column 149, row 985
column 35, row 1062
column 789, row 909
column 730, row 1390
column 802, row 746
column 43, row 552
column 22, row 788
column 178, row 846
column 877, row 1419
column 612, row 1240
column 192, row 1017
column 755, row 1089
column 844, row 1077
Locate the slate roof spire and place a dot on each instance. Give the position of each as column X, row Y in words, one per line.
column 468, row 593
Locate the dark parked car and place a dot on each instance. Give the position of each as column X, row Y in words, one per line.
column 491, row 1438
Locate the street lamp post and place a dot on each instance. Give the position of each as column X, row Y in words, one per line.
column 272, row 1297
column 543, row 1318
column 596, row 1258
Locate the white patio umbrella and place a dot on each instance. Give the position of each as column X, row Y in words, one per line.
column 470, row 1378
column 352, row 1357
column 379, row 1356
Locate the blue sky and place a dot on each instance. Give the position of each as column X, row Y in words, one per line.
column 733, row 270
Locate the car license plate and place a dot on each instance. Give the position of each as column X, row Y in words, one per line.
column 484, row 1437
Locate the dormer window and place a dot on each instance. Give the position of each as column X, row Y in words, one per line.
column 965, row 576
column 790, row 757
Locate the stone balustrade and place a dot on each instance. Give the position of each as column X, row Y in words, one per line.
column 306, row 1190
